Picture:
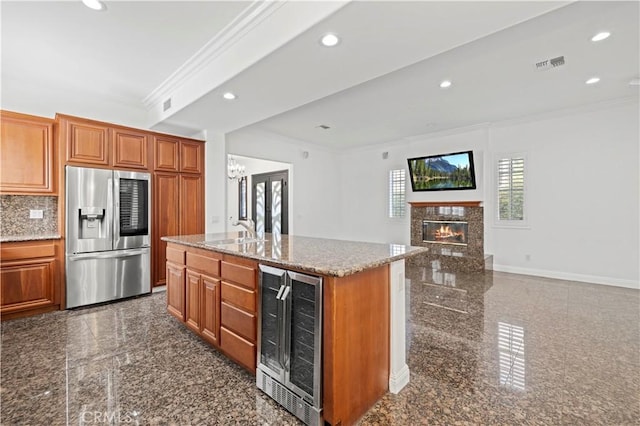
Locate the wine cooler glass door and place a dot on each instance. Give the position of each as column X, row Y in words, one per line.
column 270, row 328
column 303, row 338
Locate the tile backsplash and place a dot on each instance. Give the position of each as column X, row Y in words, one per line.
column 14, row 215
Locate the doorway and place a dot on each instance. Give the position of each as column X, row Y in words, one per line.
column 270, row 202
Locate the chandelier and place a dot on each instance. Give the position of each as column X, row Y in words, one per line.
column 235, row 170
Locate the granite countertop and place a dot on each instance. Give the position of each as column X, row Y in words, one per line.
column 318, row 255
column 16, row 238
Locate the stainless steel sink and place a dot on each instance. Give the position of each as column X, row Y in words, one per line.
column 232, row 241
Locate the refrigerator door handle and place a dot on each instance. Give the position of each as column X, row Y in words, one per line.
column 110, row 222
column 108, row 255
column 116, row 208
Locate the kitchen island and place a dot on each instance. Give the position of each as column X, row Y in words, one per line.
column 212, row 286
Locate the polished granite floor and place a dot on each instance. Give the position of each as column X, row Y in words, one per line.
column 483, row 349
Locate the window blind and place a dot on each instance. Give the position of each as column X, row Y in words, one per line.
column 511, row 188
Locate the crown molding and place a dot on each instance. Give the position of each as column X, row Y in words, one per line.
column 245, row 22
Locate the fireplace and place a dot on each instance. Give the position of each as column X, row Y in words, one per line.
column 445, row 232
column 454, row 233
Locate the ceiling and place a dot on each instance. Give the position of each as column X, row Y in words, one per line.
column 381, row 83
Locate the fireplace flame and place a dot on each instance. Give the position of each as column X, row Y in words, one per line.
column 445, row 232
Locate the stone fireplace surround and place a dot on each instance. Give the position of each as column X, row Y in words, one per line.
column 452, row 257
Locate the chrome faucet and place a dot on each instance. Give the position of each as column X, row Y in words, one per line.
column 247, row 224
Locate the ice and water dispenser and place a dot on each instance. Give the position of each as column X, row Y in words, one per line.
column 92, row 223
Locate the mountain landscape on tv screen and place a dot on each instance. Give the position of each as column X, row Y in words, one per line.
column 440, row 164
column 438, row 173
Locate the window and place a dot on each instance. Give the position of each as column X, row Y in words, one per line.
column 397, row 204
column 511, row 189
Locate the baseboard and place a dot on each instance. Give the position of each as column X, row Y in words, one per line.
column 399, row 379
column 592, row 279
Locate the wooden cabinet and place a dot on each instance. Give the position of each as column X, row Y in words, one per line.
column 176, row 281
column 194, row 293
column 29, row 280
column 215, row 296
column 86, row 141
column 91, row 143
column 210, row 321
column 26, row 154
column 238, row 317
column 166, row 212
column 178, row 194
column 130, row 148
column 178, row 206
column 191, row 157
column 191, row 204
column 175, row 290
column 172, row 154
column 165, row 154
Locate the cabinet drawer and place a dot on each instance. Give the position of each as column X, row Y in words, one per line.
column 241, row 350
column 27, row 250
column 205, row 264
column 175, row 255
column 241, row 322
column 239, row 274
column 239, row 296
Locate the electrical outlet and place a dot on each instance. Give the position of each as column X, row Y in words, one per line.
column 36, row 214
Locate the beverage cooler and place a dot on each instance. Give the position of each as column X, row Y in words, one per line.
column 290, row 341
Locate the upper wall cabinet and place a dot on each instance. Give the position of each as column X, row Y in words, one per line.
column 87, row 142
column 166, row 151
column 191, row 157
column 93, row 143
column 130, row 148
column 176, row 155
column 26, row 154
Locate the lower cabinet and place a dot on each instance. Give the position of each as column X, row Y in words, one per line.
column 29, row 281
column 175, row 290
column 203, row 306
column 210, row 321
column 215, row 296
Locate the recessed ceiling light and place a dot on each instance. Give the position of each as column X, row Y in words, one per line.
column 600, row 36
column 229, row 96
column 593, row 80
column 329, row 40
column 445, row 83
column 94, row 4
column 634, row 82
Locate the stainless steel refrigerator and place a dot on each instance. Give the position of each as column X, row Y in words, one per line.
column 108, row 228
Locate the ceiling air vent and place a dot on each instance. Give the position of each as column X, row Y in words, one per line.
column 548, row 64
column 166, row 105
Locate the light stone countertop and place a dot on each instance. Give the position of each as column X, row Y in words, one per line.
column 39, row 237
column 318, row 255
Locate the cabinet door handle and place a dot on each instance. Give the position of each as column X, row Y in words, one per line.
column 280, row 292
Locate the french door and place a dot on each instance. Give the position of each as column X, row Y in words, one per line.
column 270, row 202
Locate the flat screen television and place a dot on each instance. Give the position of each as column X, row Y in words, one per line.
column 442, row 172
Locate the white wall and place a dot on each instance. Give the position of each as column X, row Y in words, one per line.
column 252, row 166
column 314, row 182
column 583, row 196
